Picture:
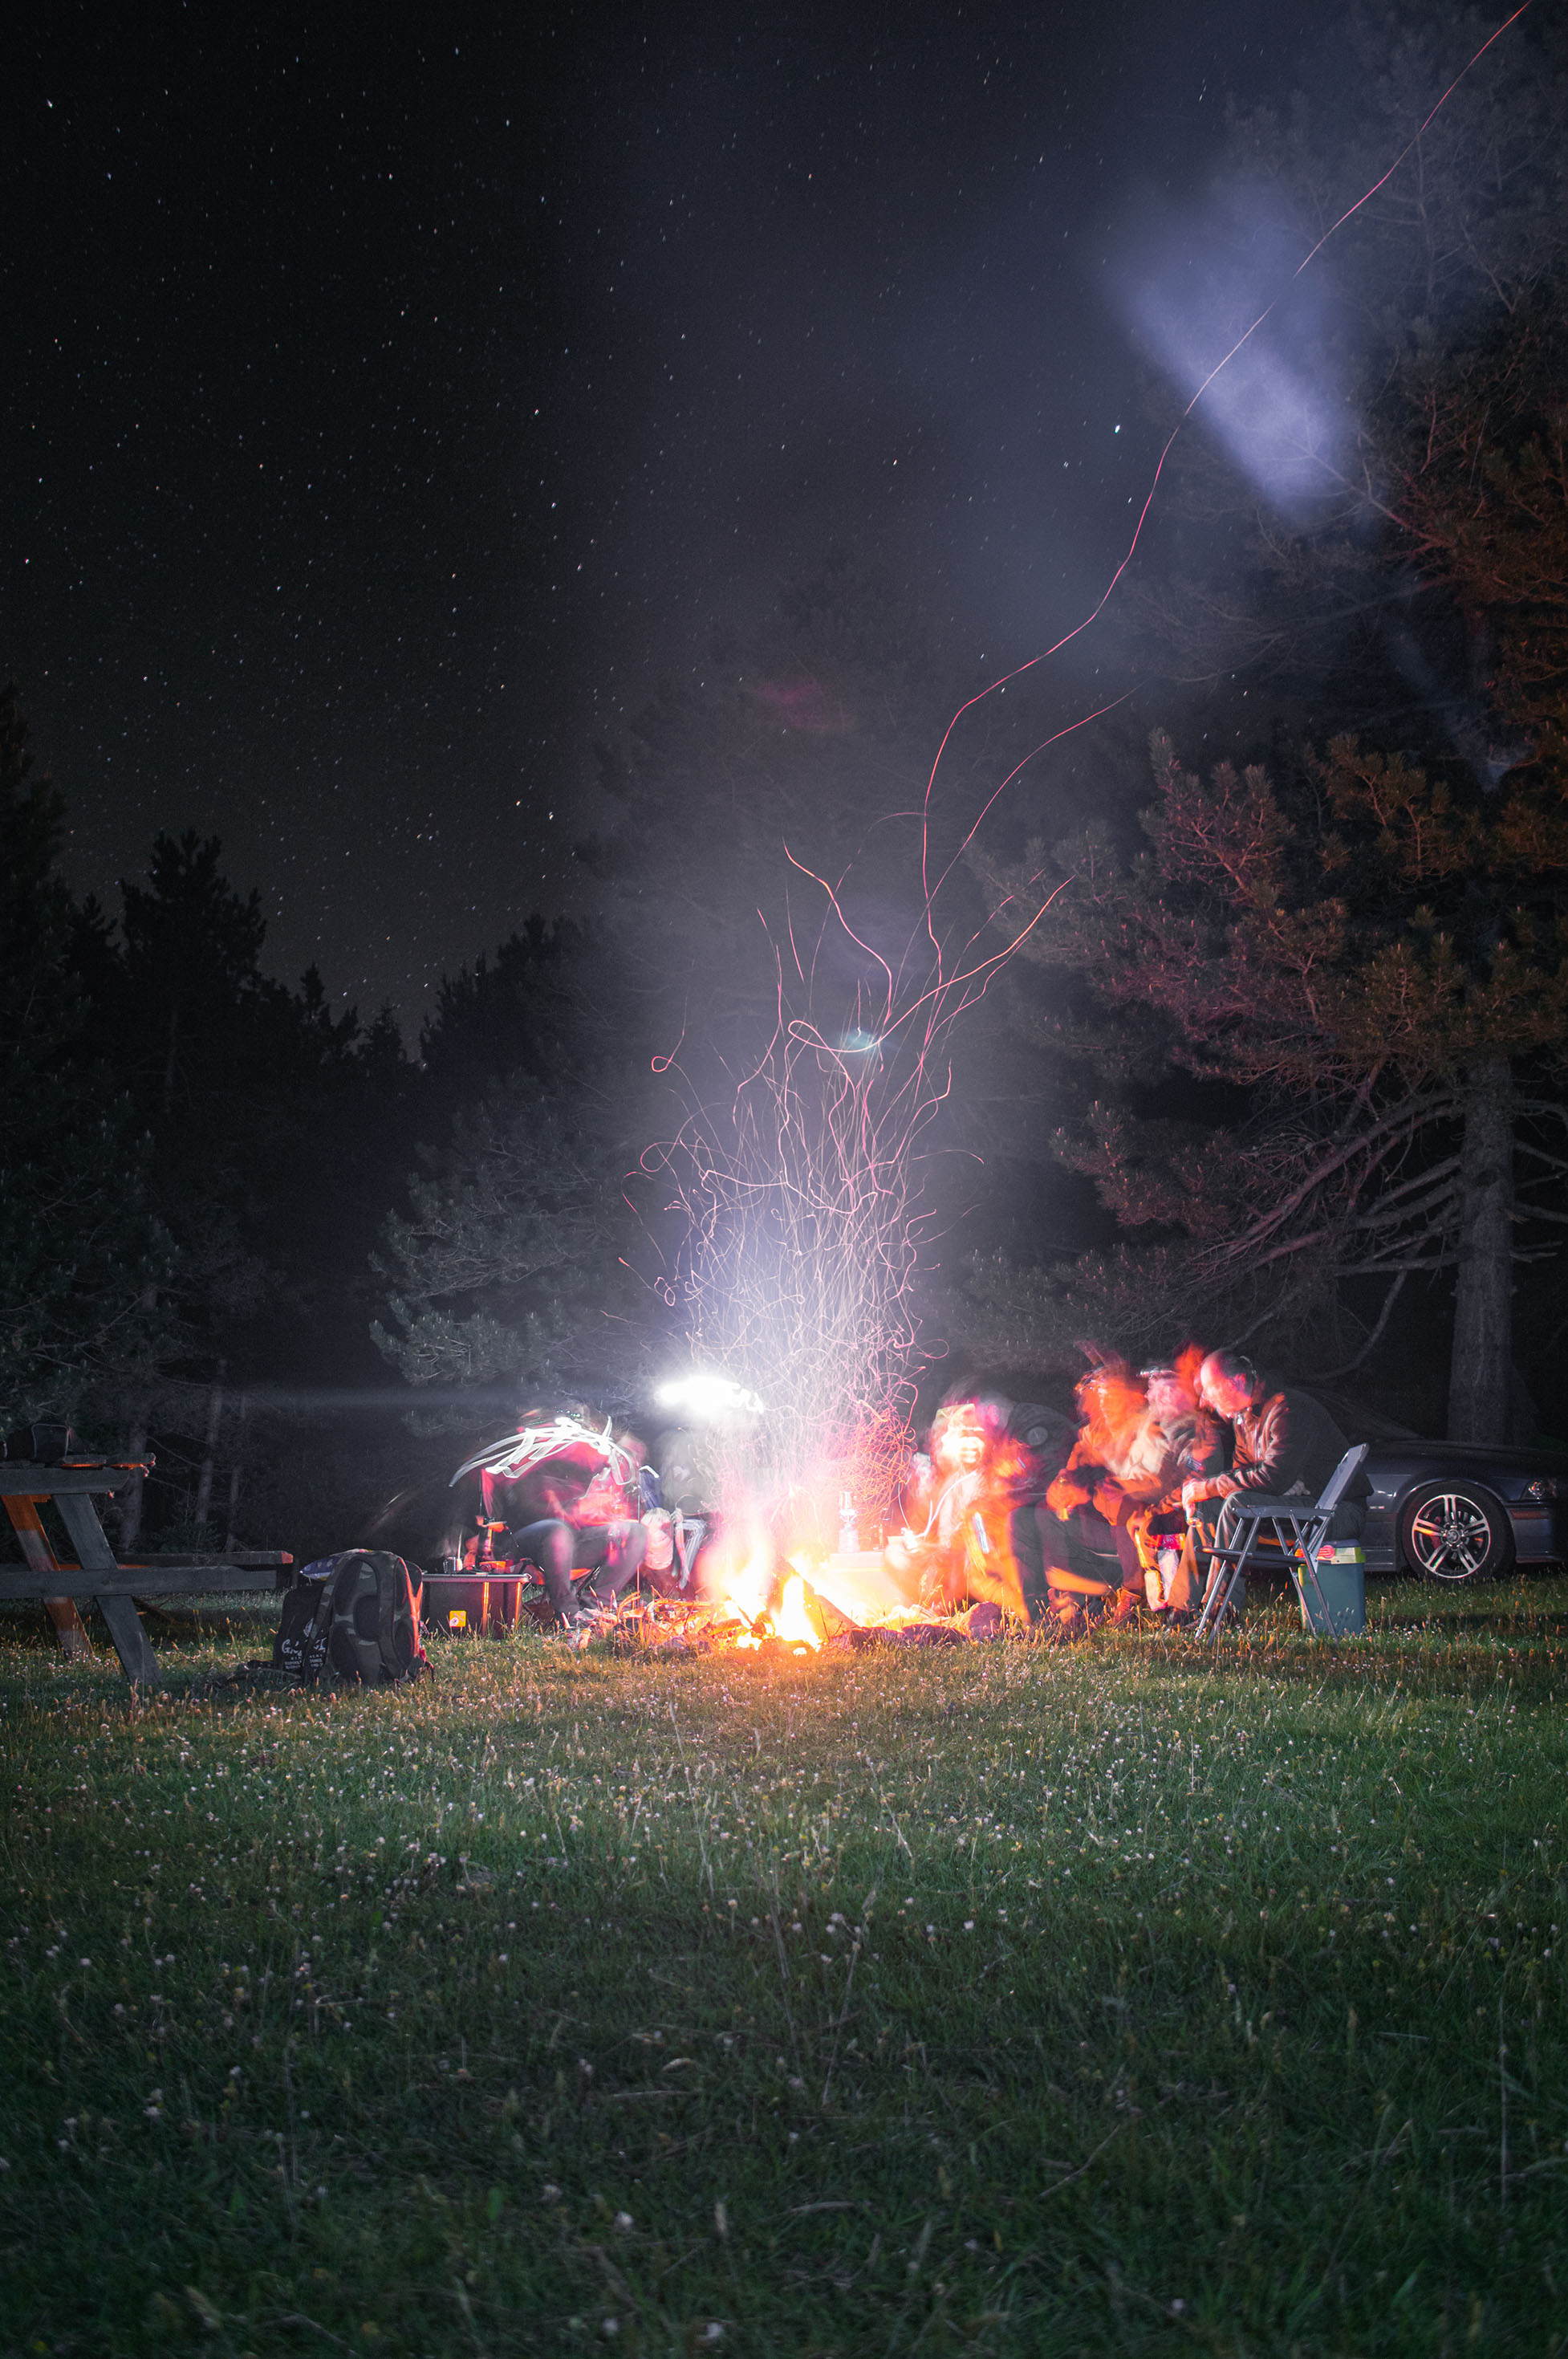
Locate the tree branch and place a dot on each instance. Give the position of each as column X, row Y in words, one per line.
column 1374, row 1338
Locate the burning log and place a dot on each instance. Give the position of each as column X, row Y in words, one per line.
column 798, row 1617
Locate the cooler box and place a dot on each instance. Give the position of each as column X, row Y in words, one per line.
column 1342, row 1579
column 470, row 1605
column 858, row 1581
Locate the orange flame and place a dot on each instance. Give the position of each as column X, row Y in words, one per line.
column 745, row 1587
column 1189, row 1360
column 1111, row 1400
column 792, row 1622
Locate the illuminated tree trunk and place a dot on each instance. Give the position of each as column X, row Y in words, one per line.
column 1480, row 1372
column 214, row 1422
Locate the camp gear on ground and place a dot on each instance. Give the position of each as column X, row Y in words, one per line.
column 1335, row 1605
column 1300, row 1527
column 358, row 1622
column 609, row 1553
column 301, row 1644
column 473, row 1605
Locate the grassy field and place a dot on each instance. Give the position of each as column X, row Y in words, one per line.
column 1001, row 2000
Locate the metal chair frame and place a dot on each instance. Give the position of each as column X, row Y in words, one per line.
column 1242, row 1520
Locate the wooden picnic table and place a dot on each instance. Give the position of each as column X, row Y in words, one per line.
column 99, row 1576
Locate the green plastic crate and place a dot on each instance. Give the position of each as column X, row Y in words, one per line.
column 1342, row 1580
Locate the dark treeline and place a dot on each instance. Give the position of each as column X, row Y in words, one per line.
column 1285, row 1063
column 224, row 1205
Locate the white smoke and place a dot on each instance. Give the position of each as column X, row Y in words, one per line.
column 1190, row 285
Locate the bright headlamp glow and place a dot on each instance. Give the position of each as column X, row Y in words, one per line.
column 707, row 1395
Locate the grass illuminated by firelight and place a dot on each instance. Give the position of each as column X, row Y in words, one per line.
column 997, row 2000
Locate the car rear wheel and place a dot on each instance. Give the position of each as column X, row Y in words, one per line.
column 1455, row 1531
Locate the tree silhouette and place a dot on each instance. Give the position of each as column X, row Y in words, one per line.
column 80, row 1250
column 1374, row 963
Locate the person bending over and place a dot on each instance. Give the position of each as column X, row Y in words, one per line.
column 569, row 1515
column 1194, row 1442
column 1286, row 1446
column 1075, row 1546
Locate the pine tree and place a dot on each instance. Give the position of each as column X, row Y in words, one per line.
column 81, row 1253
column 510, row 1270
column 530, row 1007
column 1373, row 965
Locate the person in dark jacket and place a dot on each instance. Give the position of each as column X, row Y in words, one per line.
column 1286, row 1443
column 1286, row 1446
column 1031, row 1444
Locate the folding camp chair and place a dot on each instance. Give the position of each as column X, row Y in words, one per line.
column 1300, row 1528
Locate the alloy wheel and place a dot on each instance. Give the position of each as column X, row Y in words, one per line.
column 1450, row 1535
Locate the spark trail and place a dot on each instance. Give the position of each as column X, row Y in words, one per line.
column 805, row 1201
column 1032, row 663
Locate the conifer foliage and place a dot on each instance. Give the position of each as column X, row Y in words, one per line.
column 81, row 1253
column 508, row 1265
column 1376, row 963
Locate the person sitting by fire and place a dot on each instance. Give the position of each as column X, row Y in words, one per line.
column 568, row 1500
column 946, row 1483
column 989, row 1454
column 1089, row 1539
column 1074, row 1552
column 1196, row 1447
column 935, row 1551
column 1286, row 1445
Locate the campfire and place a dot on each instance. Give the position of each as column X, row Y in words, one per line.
column 796, row 1607
column 756, row 1571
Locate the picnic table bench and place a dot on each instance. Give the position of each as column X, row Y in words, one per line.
column 99, row 1576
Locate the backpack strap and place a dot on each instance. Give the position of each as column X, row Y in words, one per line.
column 326, row 1603
column 315, row 1657
column 387, row 1569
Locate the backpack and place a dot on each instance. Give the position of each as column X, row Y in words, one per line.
column 359, row 1621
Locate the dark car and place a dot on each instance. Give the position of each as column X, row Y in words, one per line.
column 1462, row 1510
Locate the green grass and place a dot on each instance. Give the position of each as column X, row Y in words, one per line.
column 1001, row 2000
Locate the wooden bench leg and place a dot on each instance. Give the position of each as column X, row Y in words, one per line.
column 131, row 1642
column 74, row 1642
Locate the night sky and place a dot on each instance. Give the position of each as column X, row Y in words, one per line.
column 391, row 399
